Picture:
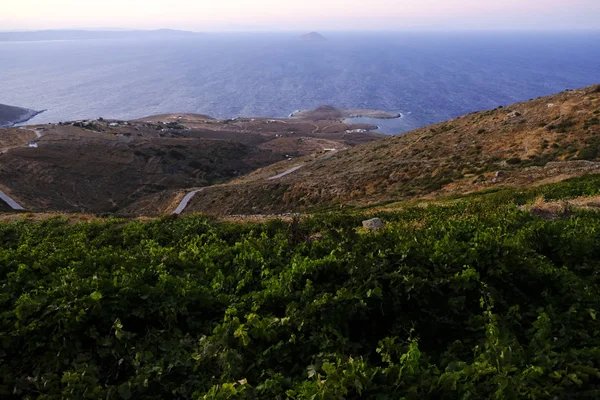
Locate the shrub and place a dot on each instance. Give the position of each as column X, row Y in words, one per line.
column 591, row 122
column 474, row 299
column 591, row 149
column 562, row 126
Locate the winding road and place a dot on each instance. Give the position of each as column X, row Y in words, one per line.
column 289, row 171
column 293, row 169
column 37, row 133
column 188, row 197
column 184, row 202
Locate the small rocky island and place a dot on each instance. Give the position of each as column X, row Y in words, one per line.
column 329, row 113
column 10, row 116
column 313, row 37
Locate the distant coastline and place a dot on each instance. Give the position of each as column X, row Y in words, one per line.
column 11, row 116
column 54, row 35
column 27, row 118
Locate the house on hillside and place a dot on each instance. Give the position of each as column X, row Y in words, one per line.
column 32, row 144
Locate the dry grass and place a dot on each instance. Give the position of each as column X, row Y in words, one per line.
column 542, row 139
column 562, row 208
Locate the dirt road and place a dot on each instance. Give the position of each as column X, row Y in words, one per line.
column 184, row 202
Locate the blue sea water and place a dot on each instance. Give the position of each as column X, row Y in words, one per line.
column 429, row 77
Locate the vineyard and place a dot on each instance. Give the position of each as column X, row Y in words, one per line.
column 477, row 298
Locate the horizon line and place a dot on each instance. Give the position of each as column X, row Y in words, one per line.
column 122, row 29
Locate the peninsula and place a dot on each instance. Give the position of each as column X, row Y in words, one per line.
column 10, row 115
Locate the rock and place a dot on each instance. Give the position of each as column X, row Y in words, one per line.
column 317, row 237
column 374, row 224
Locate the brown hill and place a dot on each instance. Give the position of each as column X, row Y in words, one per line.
column 542, row 140
column 105, row 166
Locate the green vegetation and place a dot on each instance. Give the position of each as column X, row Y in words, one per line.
column 175, row 125
column 591, row 149
column 447, row 128
column 587, row 185
column 474, row 299
column 562, row 126
column 591, row 122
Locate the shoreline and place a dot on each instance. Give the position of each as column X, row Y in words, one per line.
column 24, row 119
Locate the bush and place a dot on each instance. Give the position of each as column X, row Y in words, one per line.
column 591, row 149
column 175, row 125
column 562, row 126
column 591, row 122
column 473, row 299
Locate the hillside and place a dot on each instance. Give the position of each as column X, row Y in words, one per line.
column 487, row 290
column 105, row 166
column 310, row 161
column 543, row 140
column 10, row 115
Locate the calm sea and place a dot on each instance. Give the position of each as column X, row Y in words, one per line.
column 428, row 77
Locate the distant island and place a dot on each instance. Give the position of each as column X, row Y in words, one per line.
column 313, row 37
column 31, row 36
column 10, row 116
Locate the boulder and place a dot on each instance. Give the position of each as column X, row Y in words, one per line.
column 373, row 224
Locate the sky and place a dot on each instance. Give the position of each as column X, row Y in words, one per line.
column 301, row 15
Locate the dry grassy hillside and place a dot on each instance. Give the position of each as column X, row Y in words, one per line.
column 81, row 170
column 106, row 165
column 542, row 140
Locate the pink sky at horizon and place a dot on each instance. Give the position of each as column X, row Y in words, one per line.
column 224, row 15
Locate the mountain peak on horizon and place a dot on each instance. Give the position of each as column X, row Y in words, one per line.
column 313, row 36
